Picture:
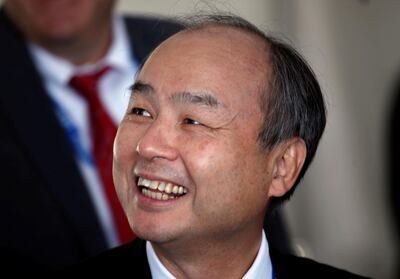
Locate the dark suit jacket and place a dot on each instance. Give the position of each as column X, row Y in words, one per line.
column 46, row 214
column 132, row 259
column 393, row 156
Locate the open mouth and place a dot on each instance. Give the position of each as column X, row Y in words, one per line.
column 160, row 190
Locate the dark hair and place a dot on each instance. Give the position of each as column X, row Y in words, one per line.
column 292, row 101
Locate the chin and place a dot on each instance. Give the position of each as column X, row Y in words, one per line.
column 154, row 233
column 152, row 236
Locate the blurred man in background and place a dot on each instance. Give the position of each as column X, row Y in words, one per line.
column 65, row 68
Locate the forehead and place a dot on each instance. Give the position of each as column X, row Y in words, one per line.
column 229, row 62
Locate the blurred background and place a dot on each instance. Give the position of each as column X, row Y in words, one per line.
column 341, row 213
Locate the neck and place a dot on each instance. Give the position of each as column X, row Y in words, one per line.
column 224, row 257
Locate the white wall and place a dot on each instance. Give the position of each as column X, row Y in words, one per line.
column 339, row 214
column 341, row 211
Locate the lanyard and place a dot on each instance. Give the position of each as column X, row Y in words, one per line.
column 72, row 133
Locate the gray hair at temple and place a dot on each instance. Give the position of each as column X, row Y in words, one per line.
column 292, row 101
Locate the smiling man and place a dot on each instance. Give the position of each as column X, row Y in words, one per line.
column 222, row 123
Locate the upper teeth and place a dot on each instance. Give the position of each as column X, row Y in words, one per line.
column 162, row 186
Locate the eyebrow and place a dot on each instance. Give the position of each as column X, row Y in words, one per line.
column 142, row 88
column 196, row 98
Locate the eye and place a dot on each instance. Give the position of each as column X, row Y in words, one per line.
column 140, row 112
column 190, row 121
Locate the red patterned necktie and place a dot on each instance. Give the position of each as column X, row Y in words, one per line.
column 103, row 132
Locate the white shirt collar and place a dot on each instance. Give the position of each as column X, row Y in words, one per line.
column 262, row 266
column 60, row 70
column 260, row 269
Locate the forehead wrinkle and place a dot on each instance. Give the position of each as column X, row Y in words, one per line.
column 196, row 98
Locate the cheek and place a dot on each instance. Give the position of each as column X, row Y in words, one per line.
column 228, row 172
column 125, row 143
column 124, row 156
column 124, row 152
column 214, row 166
column 204, row 154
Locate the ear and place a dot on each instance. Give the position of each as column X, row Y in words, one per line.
column 289, row 160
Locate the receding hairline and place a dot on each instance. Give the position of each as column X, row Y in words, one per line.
column 256, row 34
column 204, row 22
column 257, row 38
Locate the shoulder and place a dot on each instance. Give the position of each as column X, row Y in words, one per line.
column 289, row 266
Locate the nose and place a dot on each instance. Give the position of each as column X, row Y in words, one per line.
column 158, row 142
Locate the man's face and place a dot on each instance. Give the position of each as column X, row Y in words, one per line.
column 51, row 21
column 193, row 122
